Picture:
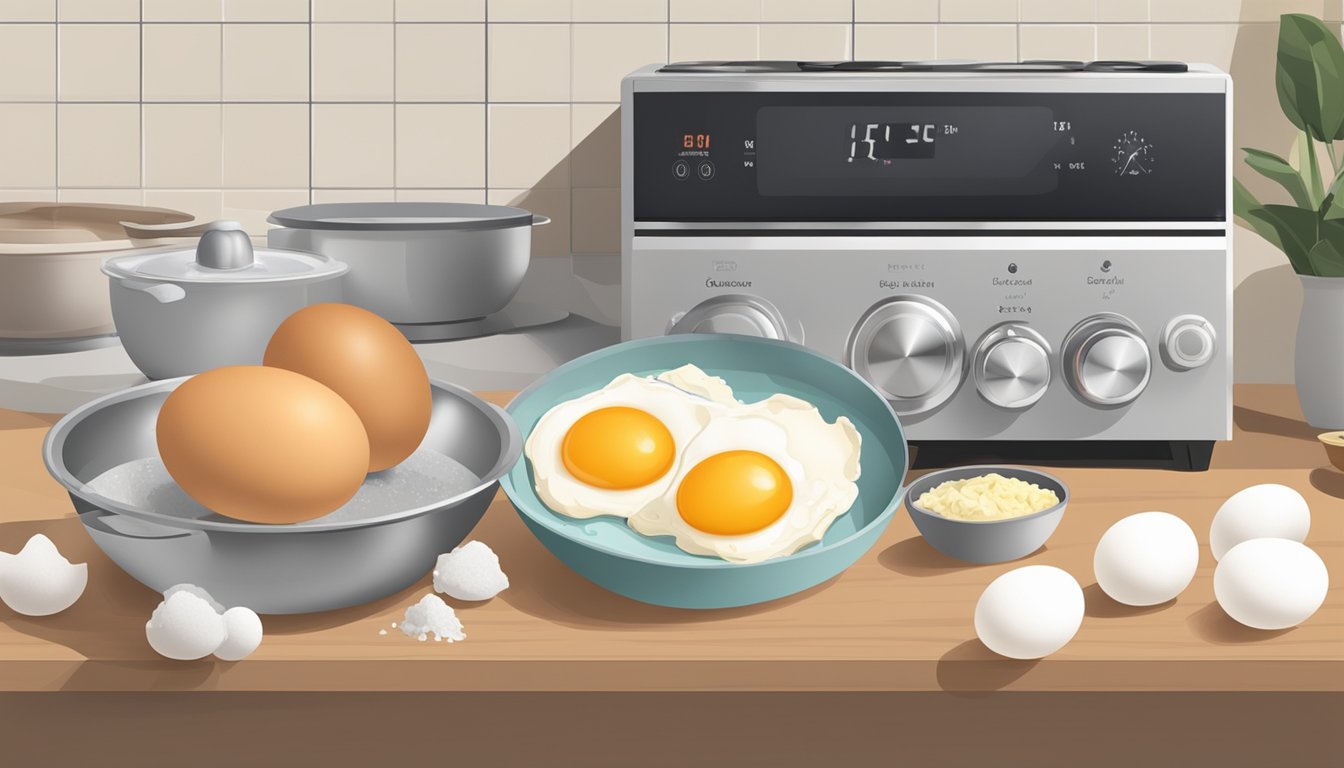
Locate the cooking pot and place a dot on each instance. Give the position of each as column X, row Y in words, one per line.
column 52, row 296
column 185, row 310
column 418, row 263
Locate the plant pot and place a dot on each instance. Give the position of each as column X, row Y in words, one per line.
column 1319, row 357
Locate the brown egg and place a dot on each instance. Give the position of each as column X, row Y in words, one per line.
column 369, row 363
column 263, row 445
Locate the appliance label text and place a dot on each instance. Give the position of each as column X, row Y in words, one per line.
column 712, row 283
column 1105, row 281
column 891, row 285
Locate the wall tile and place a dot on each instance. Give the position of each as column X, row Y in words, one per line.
column 596, row 220
column 98, row 145
column 99, row 62
column 182, row 145
column 353, row 195
column 28, row 151
column 28, row 62
column 99, row 10
column 440, row 196
column 1209, row 43
column 266, row 62
column 352, row 10
column 619, row 10
column 529, row 62
column 1058, row 10
column 529, row 145
column 807, row 10
column 551, row 240
column 182, row 10
column 440, row 10
column 604, row 53
column 1122, row 41
column 888, row 11
column 352, row 145
column 266, row 10
column 978, row 10
column 440, row 145
column 251, row 207
column 715, row 10
column 180, row 62
column 440, row 62
column 99, row 195
column 595, row 135
column 35, row 10
column 1207, row 11
column 204, row 204
column 353, row 62
column 977, row 41
column 805, row 41
column 265, row 145
column 1058, row 41
column 18, row 195
column 1122, row 10
column 691, row 42
column 528, row 10
column 897, row 42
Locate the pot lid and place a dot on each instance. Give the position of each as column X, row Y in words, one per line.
column 224, row 254
column 402, row 216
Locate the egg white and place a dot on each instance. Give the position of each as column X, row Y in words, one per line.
column 820, row 459
column 683, row 413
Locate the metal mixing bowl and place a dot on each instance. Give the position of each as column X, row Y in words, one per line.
column 298, row 568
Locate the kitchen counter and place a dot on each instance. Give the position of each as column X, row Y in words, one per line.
column 898, row 621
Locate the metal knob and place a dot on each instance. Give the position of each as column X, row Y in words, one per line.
column 732, row 313
column 1188, row 342
column 1012, row 366
column 1106, row 360
column 224, row 245
column 910, row 348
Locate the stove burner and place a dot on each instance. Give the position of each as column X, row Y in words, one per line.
column 700, row 67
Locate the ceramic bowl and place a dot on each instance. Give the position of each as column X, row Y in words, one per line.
column 986, row 541
column 1334, row 447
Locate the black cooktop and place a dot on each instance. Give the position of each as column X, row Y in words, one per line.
column 699, row 67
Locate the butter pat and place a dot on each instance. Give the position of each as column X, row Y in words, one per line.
column 987, row 497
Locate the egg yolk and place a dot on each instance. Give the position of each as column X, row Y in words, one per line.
column 734, row 493
column 617, row 448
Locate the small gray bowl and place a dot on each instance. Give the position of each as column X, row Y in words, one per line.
column 986, row 541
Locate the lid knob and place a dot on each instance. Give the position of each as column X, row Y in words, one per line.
column 224, row 245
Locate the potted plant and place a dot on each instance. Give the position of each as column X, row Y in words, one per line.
column 1310, row 231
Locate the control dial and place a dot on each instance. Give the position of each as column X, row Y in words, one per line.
column 910, row 348
column 734, row 313
column 1106, row 360
column 1012, row 366
column 1188, row 342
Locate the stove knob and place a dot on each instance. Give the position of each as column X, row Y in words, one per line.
column 1106, row 360
column 732, row 313
column 1012, row 366
column 1188, row 342
column 910, row 348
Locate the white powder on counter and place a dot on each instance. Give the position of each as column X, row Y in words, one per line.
column 432, row 616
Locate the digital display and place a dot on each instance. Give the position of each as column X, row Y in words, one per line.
column 884, row 142
column 695, row 141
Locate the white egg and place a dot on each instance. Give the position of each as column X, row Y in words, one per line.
column 1029, row 612
column 242, row 634
column 1146, row 559
column 682, row 413
column 185, row 626
column 819, row 462
column 470, row 572
column 1270, row 583
column 39, row 581
column 1266, row 511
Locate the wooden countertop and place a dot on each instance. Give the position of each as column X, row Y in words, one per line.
column 899, row 620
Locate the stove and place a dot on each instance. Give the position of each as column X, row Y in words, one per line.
column 1030, row 260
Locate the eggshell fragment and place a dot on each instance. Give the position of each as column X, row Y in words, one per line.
column 185, row 626
column 39, row 581
column 470, row 572
column 242, row 634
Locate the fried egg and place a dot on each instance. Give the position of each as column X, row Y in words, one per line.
column 761, row 482
column 611, row 452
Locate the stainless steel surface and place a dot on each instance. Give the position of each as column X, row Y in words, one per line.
column 911, row 349
column 733, row 313
column 1012, row 366
column 405, row 216
column 225, row 247
column 1106, row 360
column 516, row 316
column 275, row 568
column 1188, row 342
column 987, row 541
column 415, row 269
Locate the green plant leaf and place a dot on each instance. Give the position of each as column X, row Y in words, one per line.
column 1243, row 203
column 1333, row 208
column 1275, row 168
column 1297, row 231
column 1310, row 170
column 1310, row 76
column 1325, row 260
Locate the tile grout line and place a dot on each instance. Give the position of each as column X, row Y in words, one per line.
column 485, row 93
